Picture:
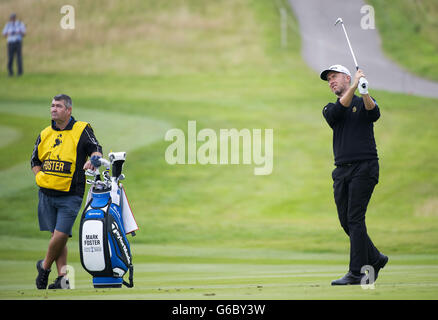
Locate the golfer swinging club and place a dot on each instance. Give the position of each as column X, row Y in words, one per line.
column 357, row 167
column 59, row 161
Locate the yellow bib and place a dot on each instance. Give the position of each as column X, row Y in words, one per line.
column 58, row 152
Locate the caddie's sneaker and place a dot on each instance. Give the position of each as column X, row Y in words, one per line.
column 43, row 275
column 60, row 283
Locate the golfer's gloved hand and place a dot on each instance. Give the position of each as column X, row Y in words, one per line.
column 95, row 161
column 363, row 86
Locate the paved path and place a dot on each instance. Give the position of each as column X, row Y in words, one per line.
column 324, row 44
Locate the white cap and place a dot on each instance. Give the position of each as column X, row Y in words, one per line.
column 336, row 68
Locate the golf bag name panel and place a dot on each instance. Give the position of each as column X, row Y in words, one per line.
column 93, row 245
column 93, row 236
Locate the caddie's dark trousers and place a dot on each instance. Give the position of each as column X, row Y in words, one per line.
column 353, row 186
column 14, row 48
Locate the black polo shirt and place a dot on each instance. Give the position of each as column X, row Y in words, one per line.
column 353, row 130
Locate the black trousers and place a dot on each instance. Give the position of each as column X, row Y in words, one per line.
column 14, row 49
column 353, row 185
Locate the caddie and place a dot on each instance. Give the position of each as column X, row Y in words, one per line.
column 59, row 161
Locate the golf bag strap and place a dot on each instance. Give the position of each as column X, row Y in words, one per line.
column 131, row 278
column 85, row 208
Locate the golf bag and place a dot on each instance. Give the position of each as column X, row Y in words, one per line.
column 107, row 218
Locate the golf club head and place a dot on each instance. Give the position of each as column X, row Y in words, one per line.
column 339, row 20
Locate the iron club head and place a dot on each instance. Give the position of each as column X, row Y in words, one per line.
column 339, row 20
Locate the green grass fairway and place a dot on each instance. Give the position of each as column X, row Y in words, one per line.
column 186, row 272
column 212, row 231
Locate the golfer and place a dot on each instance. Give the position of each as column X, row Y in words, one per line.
column 58, row 161
column 357, row 168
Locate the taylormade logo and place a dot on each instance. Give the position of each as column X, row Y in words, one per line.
column 121, row 242
column 215, row 150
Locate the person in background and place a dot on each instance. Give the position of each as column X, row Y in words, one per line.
column 14, row 31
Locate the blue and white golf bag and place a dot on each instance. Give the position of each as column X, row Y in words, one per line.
column 107, row 218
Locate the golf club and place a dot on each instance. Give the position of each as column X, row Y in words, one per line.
column 363, row 83
column 348, row 41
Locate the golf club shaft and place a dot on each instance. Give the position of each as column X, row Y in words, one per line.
column 349, row 45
